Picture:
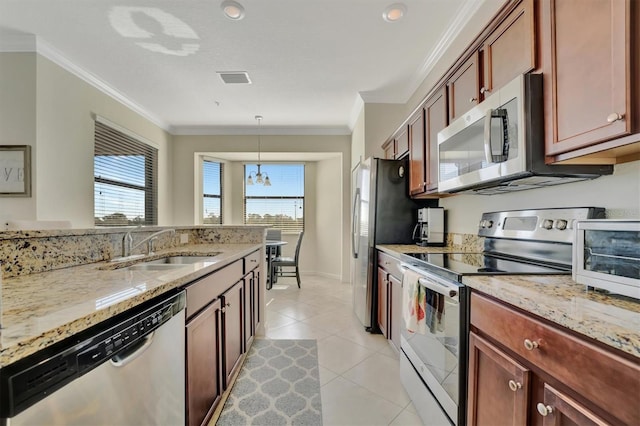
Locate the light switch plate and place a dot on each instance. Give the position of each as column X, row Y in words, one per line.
column 184, row 238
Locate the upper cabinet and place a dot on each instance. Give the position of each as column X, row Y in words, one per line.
column 510, row 50
column 397, row 146
column 587, row 64
column 464, row 87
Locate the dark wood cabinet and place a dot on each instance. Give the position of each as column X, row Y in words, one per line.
column 389, row 148
column 498, row 386
column 395, row 310
column 418, row 155
column 383, row 302
column 203, row 380
column 249, row 328
column 232, row 320
column 464, row 87
column 510, row 50
column 587, row 67
column 568, row 372
column 402, row 143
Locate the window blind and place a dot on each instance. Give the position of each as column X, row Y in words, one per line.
column 279, row 206
column 212, row 192
column 125, row 179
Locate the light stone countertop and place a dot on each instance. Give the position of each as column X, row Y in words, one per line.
column 44, row 308
column 609, row 319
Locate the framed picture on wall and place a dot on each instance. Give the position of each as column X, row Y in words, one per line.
column 15, row 171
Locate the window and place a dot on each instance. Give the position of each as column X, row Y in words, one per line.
column 280, row 205
column 125, row 175
column 211, row 192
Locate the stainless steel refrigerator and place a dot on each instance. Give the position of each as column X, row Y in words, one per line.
column 382, row 213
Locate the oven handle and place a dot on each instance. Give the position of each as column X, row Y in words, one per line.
column 434, row 283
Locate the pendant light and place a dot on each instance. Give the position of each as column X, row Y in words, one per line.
column 258, row 175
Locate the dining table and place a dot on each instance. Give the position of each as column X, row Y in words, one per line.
column 272, row 249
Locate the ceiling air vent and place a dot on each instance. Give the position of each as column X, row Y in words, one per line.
column 234, row 77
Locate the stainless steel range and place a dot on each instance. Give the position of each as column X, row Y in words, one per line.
column 433, row 362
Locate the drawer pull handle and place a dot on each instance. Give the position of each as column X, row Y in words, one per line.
column 544, row 410
column 530, row 344
column 472, row 100
column 514, row 386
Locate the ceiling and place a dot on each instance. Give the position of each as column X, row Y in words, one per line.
column 311, row 62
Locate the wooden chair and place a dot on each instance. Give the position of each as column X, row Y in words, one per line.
column 279, row 263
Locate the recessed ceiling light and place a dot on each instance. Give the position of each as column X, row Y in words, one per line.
column 232, row 10
column 395, row 12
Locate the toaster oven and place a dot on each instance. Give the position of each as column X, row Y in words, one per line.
column 607, row 255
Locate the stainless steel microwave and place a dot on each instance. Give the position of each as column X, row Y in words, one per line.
column 498, row 146
column 606, row 255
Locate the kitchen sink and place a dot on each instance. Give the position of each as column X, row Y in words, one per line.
column 169, row 262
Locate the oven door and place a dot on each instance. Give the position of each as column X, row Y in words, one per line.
column 438, row 354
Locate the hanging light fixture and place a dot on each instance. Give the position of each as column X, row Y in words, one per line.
column 258, row 175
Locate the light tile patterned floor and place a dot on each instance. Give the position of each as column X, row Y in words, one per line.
column 358, row 370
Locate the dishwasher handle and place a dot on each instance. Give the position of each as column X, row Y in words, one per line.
column 125, row 357
column 434, row 283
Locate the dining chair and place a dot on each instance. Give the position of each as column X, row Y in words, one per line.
column 279, row 263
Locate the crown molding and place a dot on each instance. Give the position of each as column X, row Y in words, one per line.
column 31, row 43
column 246, row 130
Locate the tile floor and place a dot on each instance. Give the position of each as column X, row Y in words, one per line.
column 358, row 371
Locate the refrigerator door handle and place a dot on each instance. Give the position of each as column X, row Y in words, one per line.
column 355, row 242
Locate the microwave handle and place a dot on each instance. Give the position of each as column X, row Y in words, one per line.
column 488, row 153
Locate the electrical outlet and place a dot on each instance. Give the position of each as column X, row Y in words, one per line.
column 184, row 238
column 457, row 239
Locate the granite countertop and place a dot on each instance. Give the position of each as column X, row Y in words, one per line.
column 44, row 308
column 609, row 319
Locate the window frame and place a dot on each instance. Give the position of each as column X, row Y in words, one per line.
column 205, row 195
column 109, row 136
column 278, row 197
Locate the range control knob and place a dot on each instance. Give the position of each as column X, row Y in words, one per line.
column 561, row 224
column 486, row 223
column 547, row 224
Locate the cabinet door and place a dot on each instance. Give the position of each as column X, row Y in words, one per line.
column 498, row 386
column 383, row 300
column 389, row 149
column 560, row 410
column 395, row 314
column 464, row 88
column 256, row 298
column 402, row 143
column 510, row 49
column 203, row 380
column 232, row 310
column 249, row 330
column 587, row 66
column 435, row 111
column 417, row 155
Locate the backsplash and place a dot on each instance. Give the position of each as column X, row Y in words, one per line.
column 465, row 242
column 30, row 252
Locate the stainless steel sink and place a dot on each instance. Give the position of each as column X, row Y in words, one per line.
column 169, row 262
column 179, row 260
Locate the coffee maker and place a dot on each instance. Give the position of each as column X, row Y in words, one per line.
column 429, row 231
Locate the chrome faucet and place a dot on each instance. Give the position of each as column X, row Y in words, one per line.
column 127, row 241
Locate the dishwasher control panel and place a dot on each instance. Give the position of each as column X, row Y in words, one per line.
column 29, row 380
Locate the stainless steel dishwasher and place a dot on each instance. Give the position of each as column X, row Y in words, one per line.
column 129, row 370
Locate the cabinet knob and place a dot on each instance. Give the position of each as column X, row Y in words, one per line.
column 514, row 386
column 530, row 344
column 544, row 410
column 227, row 304
column 614, row 116
column 472, row 100
column 483, row 90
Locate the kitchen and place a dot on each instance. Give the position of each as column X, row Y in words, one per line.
column 57, row 193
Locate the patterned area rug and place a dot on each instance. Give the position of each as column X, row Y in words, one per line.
column 278, row 384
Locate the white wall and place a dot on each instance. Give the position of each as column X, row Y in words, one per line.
column 329, row 218
column 18, row 123
column 618, row 193
column 64, row 142
column 358, row 140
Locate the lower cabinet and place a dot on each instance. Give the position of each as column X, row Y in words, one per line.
column 523, row 370
column 223, row 313
column 390, row 298
column 204, row 385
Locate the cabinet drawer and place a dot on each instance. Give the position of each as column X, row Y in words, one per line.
column 206, row 289
column 598, row 375
column 390, row 264
column 251, row 261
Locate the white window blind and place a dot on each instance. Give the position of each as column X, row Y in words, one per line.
column 125, row 176
column 212, row 192
column 280, row 205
